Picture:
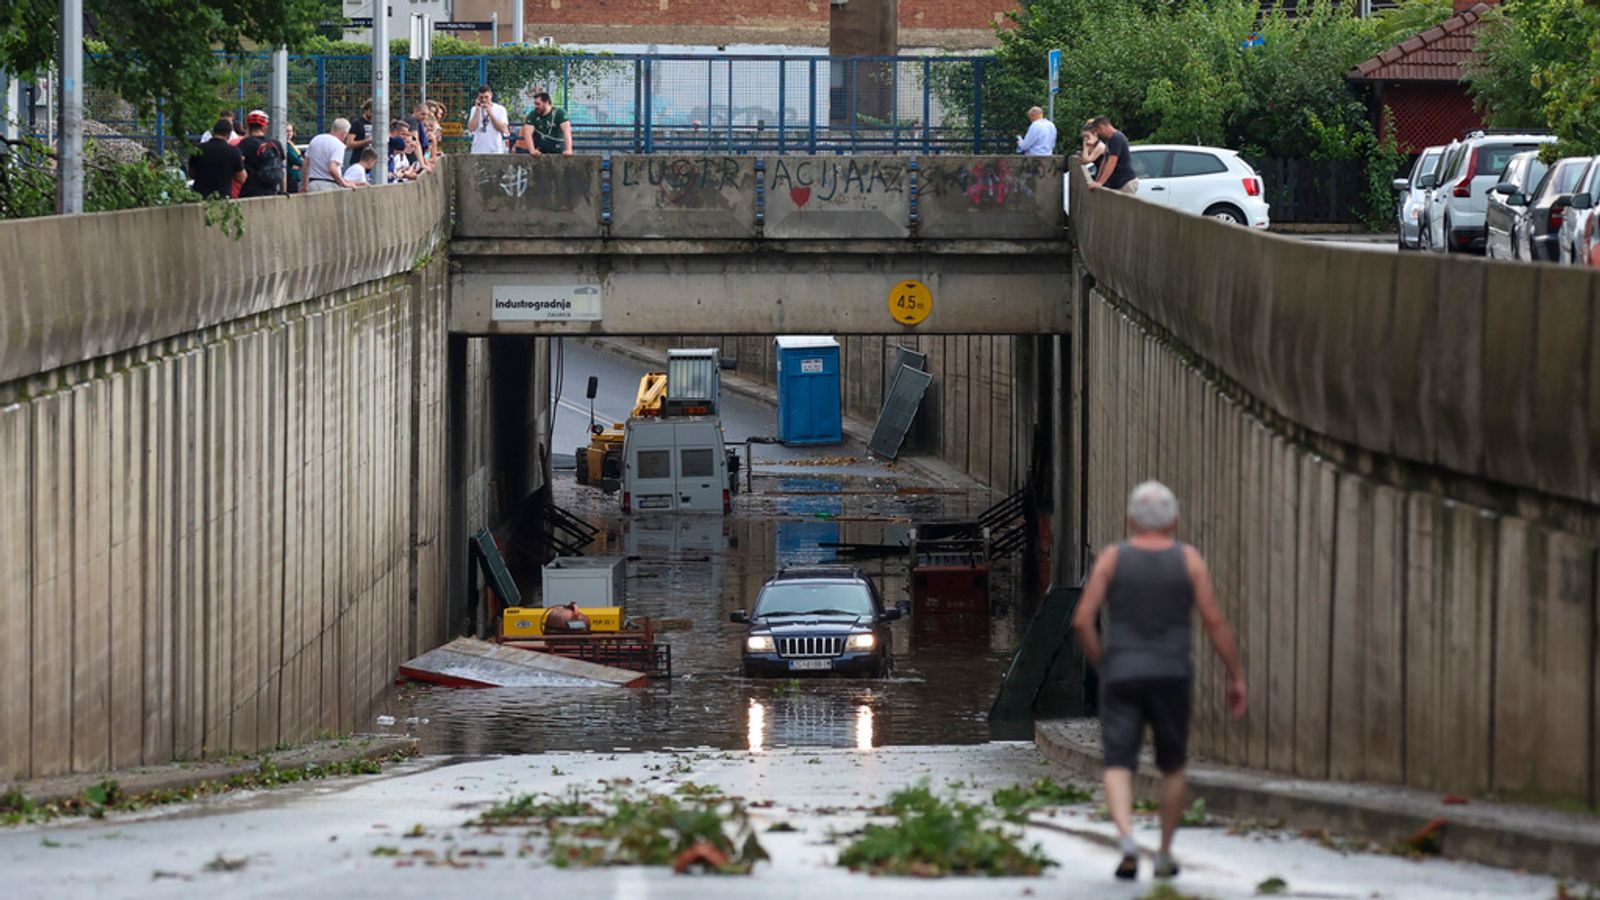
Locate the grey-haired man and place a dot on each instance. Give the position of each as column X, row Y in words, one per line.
column 1150, row 584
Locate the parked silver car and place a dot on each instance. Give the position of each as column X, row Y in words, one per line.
column 1507, row 203
column 1460, row 197
column 1430, row 210
column 1539, row 227
column 1580, row 209
column 1413, row 192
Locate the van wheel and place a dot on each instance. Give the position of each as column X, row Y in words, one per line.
column 1226, row 212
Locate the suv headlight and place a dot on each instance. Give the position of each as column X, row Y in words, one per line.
column 760, row 643
column 861, row 641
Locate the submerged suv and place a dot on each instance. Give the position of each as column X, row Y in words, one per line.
column 817, row 619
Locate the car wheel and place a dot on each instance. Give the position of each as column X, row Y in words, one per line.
column 1226, row 213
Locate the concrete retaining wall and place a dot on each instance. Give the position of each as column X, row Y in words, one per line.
column 1386, row 461
column 1388, row 634
column 222, row 475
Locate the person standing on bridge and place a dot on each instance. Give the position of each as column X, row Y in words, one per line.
column 1150, row 584
column 488, row 123
column 1041, row 137
column 324, row 167
column 1114, row 170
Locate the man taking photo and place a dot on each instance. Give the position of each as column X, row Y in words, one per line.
column 488, row 123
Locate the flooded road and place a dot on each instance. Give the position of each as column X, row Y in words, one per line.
column 698, row 569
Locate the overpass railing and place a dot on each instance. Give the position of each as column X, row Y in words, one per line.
column 633, row 103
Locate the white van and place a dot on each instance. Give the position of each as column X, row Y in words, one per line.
column 675, row 465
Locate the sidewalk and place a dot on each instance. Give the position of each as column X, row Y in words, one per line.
column 1526, row 838
column 857, row 433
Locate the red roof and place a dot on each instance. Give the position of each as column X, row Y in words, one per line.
column 1433, row 55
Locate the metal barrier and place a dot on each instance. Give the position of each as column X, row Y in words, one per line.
column 639, row 103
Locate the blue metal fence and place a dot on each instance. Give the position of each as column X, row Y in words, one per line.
column 644, row 104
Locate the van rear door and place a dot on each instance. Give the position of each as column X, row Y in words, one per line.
column 702, row 475
column 650, row 480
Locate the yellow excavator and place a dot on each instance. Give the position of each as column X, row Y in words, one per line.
column 600, row 463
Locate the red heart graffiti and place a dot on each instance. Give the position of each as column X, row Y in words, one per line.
column 800, row 196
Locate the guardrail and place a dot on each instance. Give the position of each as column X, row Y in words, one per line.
column 639, row 103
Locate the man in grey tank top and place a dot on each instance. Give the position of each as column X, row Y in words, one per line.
column 1149, row 584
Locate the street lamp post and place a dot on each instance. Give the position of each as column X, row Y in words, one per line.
column 380, row 72
column 69, row 152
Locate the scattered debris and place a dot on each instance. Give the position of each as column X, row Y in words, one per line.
column 1017, row 801
column 932, row 837
column 528, row 809
column 1271, row 886
column 1195, row 816
column 1429, row 839
column 781, row 828
column 220, row 863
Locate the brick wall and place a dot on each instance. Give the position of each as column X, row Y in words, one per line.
column 948, row 24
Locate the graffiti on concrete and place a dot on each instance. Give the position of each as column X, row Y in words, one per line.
column 701, row 182
column 525, row 182
column 985, row 183
column 824, row 181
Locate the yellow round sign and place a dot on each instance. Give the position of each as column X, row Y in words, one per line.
column 910, row 302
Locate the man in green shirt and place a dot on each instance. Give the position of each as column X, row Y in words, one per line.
column 547, row 131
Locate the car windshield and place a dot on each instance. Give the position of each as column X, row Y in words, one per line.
column 798, row 598
column 1425, row 162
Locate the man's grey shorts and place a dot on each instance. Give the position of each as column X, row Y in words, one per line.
column 318, row 185
column 1131, row 187
column 1127, row 706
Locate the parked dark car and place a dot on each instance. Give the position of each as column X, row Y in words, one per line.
column 817, row 620
column 1508, row 202
column 1540, row 228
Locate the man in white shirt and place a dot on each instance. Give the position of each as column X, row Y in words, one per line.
column 1041, row 137
column 488, row 123
column 359, row 174
column 323, row 169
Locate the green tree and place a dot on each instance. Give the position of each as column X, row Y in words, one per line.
column 159, row 53
column 1538, row 70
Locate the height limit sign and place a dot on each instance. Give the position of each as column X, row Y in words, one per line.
column 910, row 302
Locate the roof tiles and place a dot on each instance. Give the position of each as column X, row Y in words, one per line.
column 1434, row 55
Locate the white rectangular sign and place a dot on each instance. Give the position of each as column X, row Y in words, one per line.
column 810, row 366
column 545, row 303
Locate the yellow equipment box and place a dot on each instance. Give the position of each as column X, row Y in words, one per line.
column 528, row 621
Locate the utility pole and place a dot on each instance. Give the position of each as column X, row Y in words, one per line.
column 516, row 21
column 278, row 96
column 10, row 105
column 380, row 73
column 69, row 152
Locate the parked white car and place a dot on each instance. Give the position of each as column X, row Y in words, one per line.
column 1460, row 194
column 1206, row 181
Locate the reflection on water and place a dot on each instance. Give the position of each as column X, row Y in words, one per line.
column 697, row 569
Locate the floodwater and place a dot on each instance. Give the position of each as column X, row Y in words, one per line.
column 700, row 568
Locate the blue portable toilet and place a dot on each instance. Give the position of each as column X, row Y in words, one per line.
column 809, row 411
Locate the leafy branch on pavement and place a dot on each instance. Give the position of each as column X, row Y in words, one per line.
column 700, row 830
column 932, row 836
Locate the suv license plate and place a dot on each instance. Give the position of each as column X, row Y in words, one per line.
column 810, row 665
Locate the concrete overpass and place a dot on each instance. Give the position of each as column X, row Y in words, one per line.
column 736, row 245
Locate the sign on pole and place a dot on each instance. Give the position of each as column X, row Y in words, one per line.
column 422, row 46
column 1055, row 80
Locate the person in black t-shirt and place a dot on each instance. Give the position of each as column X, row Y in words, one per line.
column 265, row 164
column 1115, row 169
column 360, row 136
column 216, row 164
